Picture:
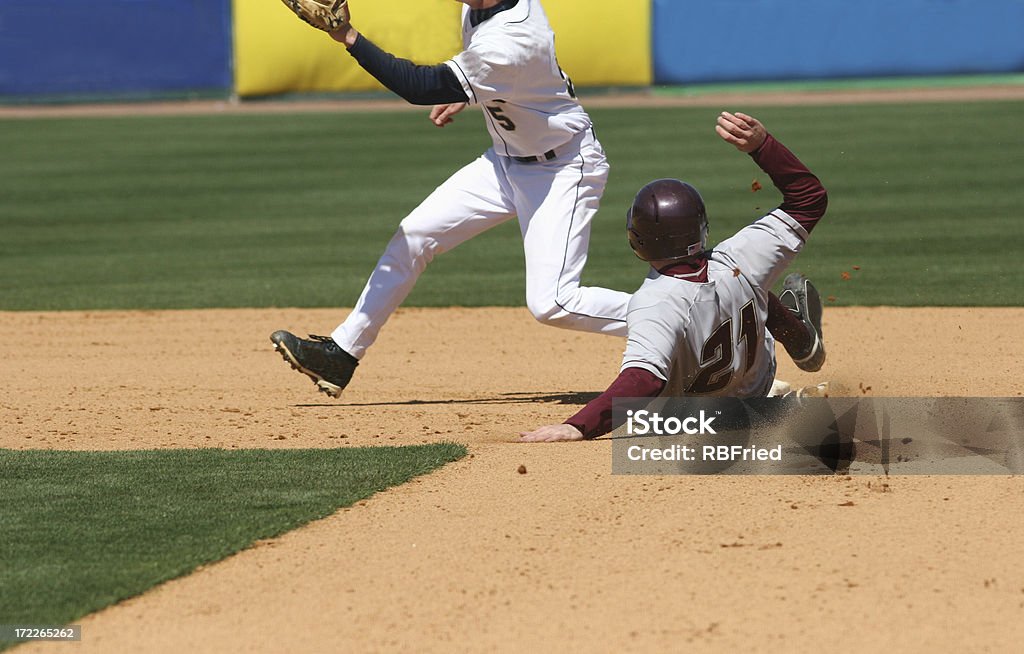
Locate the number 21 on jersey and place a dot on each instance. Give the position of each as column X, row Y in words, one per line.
column 719, row 351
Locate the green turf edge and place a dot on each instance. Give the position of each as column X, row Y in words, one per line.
column 855, row 84
column 668, row 90
column 128, row 97
column 80, row 531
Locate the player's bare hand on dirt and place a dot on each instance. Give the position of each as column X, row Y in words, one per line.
column 442, row 114
column 745, row 132
column 551, row 434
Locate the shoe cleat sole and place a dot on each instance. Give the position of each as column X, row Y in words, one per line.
column 329, row 389
column 322, row 385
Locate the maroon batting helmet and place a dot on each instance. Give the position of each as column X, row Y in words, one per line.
column 667, row 221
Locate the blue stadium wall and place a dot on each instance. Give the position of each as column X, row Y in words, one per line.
column 111, row 48
column 72, row 49
column 745, row 40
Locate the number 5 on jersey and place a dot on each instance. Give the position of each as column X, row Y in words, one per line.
column 498, row 113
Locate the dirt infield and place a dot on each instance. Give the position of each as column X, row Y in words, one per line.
column 621, row 99
column 478, row 557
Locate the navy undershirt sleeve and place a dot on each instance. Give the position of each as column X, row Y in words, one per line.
column 413, row 83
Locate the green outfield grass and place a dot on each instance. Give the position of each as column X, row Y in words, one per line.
column 82, row 530
column 293, row 210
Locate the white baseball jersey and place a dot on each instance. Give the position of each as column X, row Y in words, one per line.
column 710, row 338
column 508, row 66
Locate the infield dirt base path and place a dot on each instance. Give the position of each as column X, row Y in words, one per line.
column 479, row 557
column 637, row 98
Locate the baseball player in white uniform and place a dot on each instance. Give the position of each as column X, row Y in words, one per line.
column 545, row 167
column 699, row 325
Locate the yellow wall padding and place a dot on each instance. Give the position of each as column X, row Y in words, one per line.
column 603, row 42
column 275, row 52
column 599, row 42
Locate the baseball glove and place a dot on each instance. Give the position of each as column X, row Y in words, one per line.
column 326, row 15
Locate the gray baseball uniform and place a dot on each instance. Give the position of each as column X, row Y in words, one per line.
column 699, row 328
column 709, row 338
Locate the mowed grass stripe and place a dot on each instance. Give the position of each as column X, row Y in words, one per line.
column 293, row 210
column 82, row 530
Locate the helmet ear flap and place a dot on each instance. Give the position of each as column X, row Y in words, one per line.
column 700, row 246
column 636, row 241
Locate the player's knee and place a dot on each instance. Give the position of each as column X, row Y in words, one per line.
column 546, row 311
column 418, row 246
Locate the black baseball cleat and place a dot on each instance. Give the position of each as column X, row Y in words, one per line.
column 800, row 297
column 320, row 358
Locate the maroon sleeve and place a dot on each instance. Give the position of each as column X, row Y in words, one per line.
column 803, row 196
column 595, row 419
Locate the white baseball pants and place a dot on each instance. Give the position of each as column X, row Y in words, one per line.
column 554, row 200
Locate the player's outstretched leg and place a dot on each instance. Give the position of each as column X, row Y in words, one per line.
column 320, row 358
column 801, row 301
column 556, row 205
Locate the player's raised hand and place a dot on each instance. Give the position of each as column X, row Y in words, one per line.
column 745, row 132
column 442, row 114
column 551, row 434
column 326, row 15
